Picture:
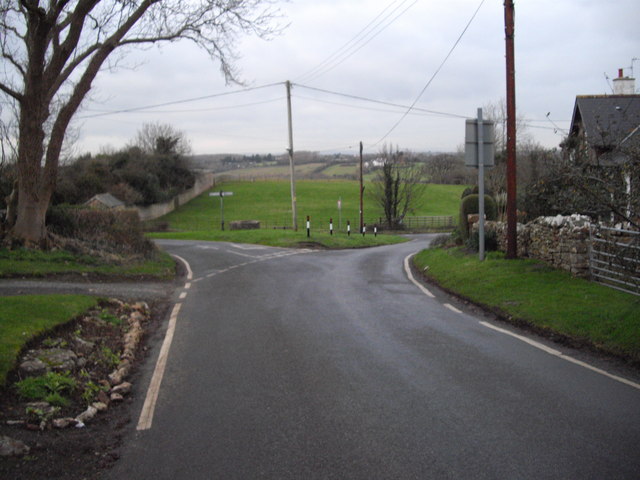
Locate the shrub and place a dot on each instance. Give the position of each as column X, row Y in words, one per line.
column 469, row 205
column 490, row 241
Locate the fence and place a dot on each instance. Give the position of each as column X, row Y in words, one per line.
column 442, row 223
column 614, row 259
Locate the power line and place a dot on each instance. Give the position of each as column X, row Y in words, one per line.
column 433, row 76
column 381, row 102
column 355, row 44
column 176, row 102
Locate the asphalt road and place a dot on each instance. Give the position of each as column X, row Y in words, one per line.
column 290, row 364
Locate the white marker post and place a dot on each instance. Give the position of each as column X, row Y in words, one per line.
column 331, row 226
column 221, row 194
column 308, row 227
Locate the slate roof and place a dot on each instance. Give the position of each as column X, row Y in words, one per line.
column 107, row 200
column 608, row 121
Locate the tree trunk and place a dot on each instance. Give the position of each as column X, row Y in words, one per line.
column 30, row 222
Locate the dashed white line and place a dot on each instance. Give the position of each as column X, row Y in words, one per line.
column 533, row 343
column 452, row 308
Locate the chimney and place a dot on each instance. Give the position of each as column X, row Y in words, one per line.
column 624, row 85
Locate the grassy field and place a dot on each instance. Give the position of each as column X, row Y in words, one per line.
column 542, row 296
column 25, row 317
column 270, row 203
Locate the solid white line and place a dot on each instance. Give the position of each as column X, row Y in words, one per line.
column 186, row 264
column 407, row 269
column 146, row 416
column 452, row 308
column 560, row 355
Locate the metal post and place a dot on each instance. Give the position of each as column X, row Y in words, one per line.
column 294, row 212
column 512, row 216
column 361, row 191
column 480, row 186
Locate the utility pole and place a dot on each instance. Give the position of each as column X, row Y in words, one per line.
column 512, row 217
column 294, row 212
column 361, row 192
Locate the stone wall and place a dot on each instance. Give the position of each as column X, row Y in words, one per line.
column 204, row 181
column 562, row 242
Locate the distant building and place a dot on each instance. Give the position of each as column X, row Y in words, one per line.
column 104, row 201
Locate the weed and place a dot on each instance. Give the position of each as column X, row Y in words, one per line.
column 110, row 358
column 91, row 391
column 39, row 388
column 110, row 318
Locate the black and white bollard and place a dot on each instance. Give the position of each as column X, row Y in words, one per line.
column 308, row 227
column 331, row 226
column 375, row 230
column 364, row 229
column 348, row 228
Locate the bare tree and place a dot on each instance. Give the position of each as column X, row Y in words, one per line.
column 398, row 186
column 54, row 50
column 162, row 138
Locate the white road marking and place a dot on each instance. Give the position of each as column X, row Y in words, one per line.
column 562, row 356
column 146, row 416
column 186, row 264
column 452, row 308
column 183, row 295
column 407, row 269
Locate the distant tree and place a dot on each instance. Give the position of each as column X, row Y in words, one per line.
column 398, row 185
column 52, row 52
column 161, row 138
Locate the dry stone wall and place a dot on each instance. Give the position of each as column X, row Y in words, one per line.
column 561, row 241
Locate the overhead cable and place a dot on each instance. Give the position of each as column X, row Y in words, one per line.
column 363, row 37
column 433, row 76
column 177, row 102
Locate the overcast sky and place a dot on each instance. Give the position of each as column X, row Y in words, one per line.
column 563, row 49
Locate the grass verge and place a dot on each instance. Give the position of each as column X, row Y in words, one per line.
column 36, row 263
column 23, row 318
column 548, row 299
column 285, row 238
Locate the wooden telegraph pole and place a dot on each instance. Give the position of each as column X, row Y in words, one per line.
column 294, row 212
column 512, row 217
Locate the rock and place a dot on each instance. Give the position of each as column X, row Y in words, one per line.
column 87, row 415
column 123, row 389
column 103, row 397
column 57, row 359
column 116, row 397
column 82, row 346
column 141, row 307
column 10, row 447
column 99, row 406
column 32, row 368
column 64, row 422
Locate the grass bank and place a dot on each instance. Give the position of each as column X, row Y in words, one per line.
column 23, row 318
column 36, row 263
column 548, row 299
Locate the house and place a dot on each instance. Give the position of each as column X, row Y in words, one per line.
column 605, row 137
column 104, row 201
column 605, row 129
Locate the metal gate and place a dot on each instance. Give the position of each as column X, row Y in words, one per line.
column 614, row 258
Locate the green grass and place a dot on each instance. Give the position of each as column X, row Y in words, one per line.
column 35, row 263
column 542, row 296
column 270, row 203
column 285, row 238
column 23, row 318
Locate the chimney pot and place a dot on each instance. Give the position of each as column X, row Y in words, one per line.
column 620, row 73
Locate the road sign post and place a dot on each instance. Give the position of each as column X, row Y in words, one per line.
column 221, row 194
column 480, row 153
